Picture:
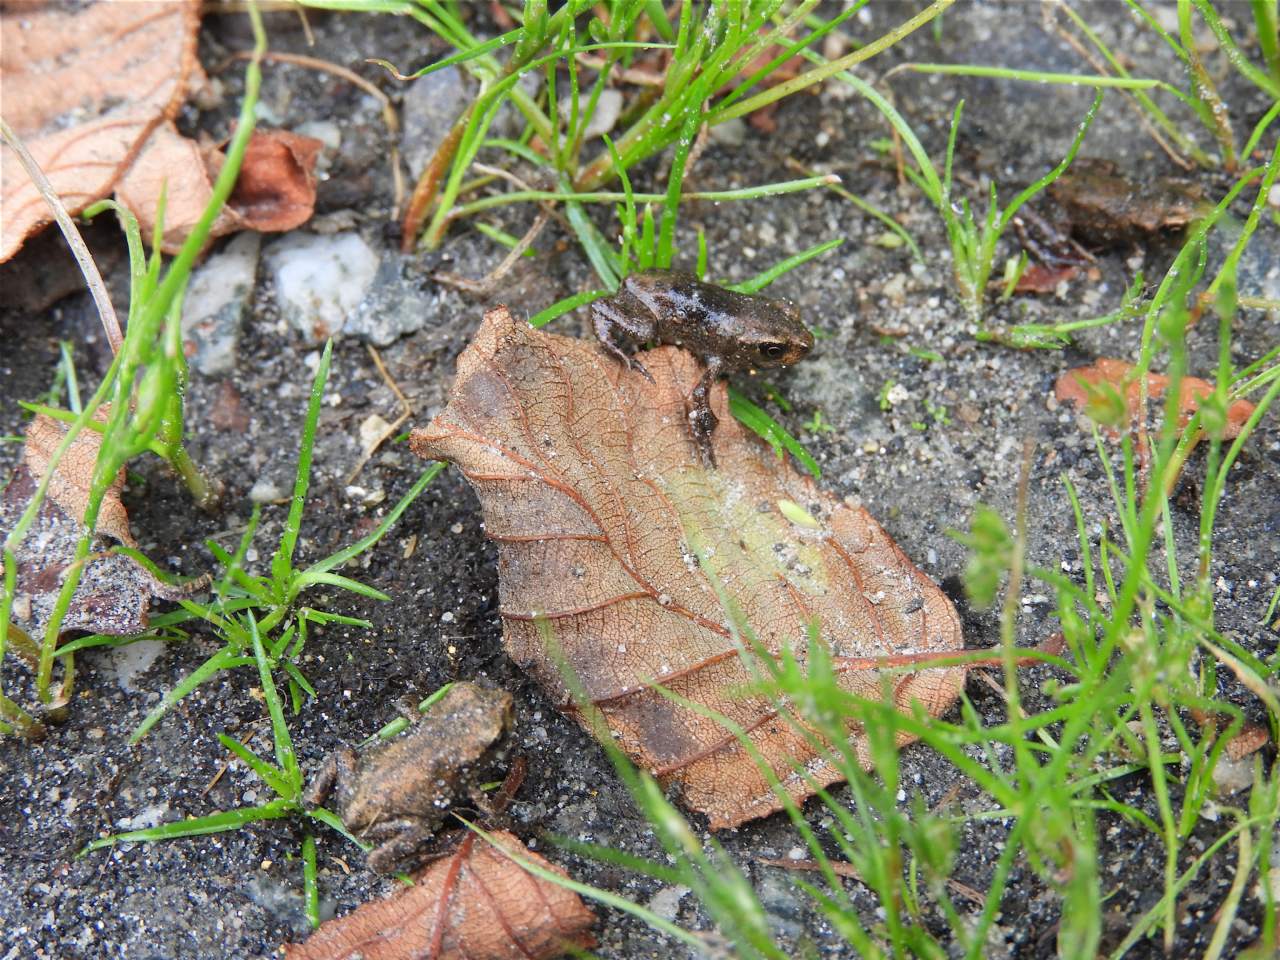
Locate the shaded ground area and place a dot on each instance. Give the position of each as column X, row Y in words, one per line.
column 947, row 436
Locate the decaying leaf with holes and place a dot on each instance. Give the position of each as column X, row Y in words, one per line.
column 612, row 532
column 476, row 904
column 1085, row 385
column 115, row 591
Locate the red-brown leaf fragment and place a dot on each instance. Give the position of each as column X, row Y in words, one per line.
column 600, row 508
column 1071, row 388
column 476, row 904
column 1039, row 278
column 276, row 188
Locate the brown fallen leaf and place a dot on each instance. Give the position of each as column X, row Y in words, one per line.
column 1039, row 278
column 1072, row 387
column 275, row 191
column 476, row 904
column 276, row 188
column 84, row 87
column 600, row 508
column 70, row 483
column 115, row 591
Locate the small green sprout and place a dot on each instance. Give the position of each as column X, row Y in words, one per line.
column 882, row 398
column 818, row 425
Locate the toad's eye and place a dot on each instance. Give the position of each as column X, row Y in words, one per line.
column 773, row 351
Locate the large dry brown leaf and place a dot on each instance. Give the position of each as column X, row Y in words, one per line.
column 84, row 87
column 599, row 505
column 476, row 904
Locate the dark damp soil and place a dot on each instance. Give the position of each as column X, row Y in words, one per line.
column 948, row 436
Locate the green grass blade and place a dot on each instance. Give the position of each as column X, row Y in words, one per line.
column 282, row 562
column 285, row 756
column 755, row 419
column 272, row 776
column 220, row 661
column 197, row 826
column 380, row 531
column 567, row 305
column 764, row 278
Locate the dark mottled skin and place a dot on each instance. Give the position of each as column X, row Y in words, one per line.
column 1093, row 203
column 1105, row 208
column 729, row 332
column 396, row 794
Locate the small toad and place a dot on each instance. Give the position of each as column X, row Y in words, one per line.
column 396, row 794
column 729, row 332
column 1096, row 205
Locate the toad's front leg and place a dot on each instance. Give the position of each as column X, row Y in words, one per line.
column 702, row 421
column 335, row 776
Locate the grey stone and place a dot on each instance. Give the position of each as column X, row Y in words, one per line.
column 328, row 133
column 666, row 902
column 394, row 305
column 320, row 281
column 216, row 301
column 265, row 491
column 731, row 133
column 431, row 105
column 608, row 107
column 132, row 660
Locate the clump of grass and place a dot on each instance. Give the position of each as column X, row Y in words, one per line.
column 144, row 387
column 284, row 777
column 713, row 50
column 260, row 624
column 244, row 604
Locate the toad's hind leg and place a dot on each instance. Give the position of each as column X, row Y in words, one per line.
column 702, row 421
column 402, row 840
column 609, row 318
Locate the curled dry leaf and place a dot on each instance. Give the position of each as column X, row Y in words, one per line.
column 601, row 510
column 476, row 904
column 275, row 191
column 115, row 591
column 84, row 87
column 1073, row 387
